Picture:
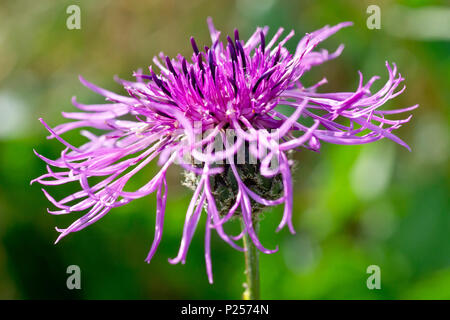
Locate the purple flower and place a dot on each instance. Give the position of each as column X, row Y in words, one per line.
column 231, row 85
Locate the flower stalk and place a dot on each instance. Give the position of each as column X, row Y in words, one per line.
column 252, row 285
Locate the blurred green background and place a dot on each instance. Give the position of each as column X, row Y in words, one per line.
column 355, row 206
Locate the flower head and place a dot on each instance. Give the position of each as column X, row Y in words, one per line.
column 231, row 85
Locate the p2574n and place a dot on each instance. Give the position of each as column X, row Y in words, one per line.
column 246, row 309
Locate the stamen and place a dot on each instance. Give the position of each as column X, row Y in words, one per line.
column 165, row 90
column 277, row 56
column 160, row 84
column 200, row 93
column 232, row 52
column 267, row 75
column 230, row 41
column 193, row 81
column 194, row 46
column 200, row 62
column 233, row 83
column 241, row 51
column 234, row 70
column 170, row 66
column 142, row 76
column 155, row 78
column 236, row 35
column 184, row 67
column 263, row 42
column 212, row 64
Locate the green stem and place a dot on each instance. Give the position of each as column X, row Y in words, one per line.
column 251, row 265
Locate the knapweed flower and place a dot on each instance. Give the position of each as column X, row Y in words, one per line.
column 231, row 85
